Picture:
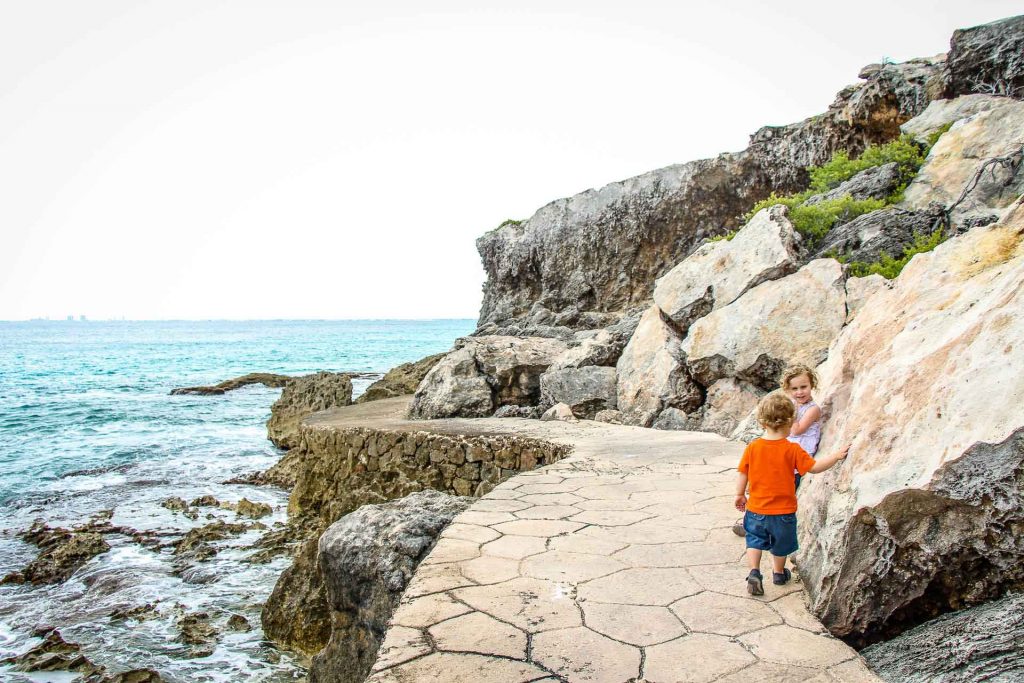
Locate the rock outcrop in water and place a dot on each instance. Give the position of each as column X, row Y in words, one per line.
column 61, row 553
column 267, row 379
column 303, row 397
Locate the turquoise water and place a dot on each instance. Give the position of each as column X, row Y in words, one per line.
column 87, row 424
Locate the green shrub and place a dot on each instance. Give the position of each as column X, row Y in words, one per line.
column 727, row 237
column 904, row 151
column 936, row 134
column 510, row 221
column 815, row 220
column 889, row 267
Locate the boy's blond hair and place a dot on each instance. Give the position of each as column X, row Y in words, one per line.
column 775, row 411
column 795, row 371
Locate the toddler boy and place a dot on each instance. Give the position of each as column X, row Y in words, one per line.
column 767, row 465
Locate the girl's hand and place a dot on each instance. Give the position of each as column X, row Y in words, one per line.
column 741, row 503
column 843, row 452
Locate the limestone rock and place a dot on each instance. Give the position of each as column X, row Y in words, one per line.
column 960, row 154
column 301, row 398
column 267, row 379
column 729, row 402
column 52, row 654
column 296, row 615
column 774, row 324
column 247, row 508
column 984, row 643
column 484, row 373
column 400, row 380
column 672, row 419
column 610, row 416
column 717, row 273
column 525, row 412
column 61, row 553
column 926, row 382
column 944, row 113
column 859, row 290
column 599, row 251
column 877, row 182
column 559, row 411
column 887, row 230
column 987, row 58
column 651, row 372
column 585, row 390
column 367, row 558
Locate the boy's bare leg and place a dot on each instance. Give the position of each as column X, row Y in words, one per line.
column 754, row 558
column 778, row 564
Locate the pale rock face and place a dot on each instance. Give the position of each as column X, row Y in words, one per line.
column 960, row 153
column 728, row 404
column 773, row 325
column 601, row 348
column 559, row 411
column 610, row 416
column 716, row 273
column 485, row 373
column 651, row 373
column 672, row 419
column 927, row 383
column 585, row 390
column 860, row 289
column 940, row 113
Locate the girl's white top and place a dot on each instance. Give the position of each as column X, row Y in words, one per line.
column 810, row 438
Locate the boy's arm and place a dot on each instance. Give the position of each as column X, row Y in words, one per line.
column 804, row 423
column 741, row 491
column 822, row 464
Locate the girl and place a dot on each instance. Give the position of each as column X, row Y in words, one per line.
column 798, row 381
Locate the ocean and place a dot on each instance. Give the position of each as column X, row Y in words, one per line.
column 87, row 424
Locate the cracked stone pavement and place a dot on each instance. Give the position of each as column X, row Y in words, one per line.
column 616, row 564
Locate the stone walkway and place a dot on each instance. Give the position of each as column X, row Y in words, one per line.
column 616, row 564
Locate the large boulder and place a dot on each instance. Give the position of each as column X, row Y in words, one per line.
column 651, row 373
column 926, row 382
column 984, row 643
column 987, row 58
column 302, row 397
column 729, row 403
column 774, row 324
column 585, row 390
column 956, row 162
column 886, row 231
column 366, row 559
column 400, row 380
column 940, row 114
column 717, row 273
column 484, row 373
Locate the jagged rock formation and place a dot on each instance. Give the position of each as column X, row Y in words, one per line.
column 303, row 397
column 886, row 231
column 367, row 558
column 926, row 383
column 979, row 644
column 400, row 380
column 579, row 259
column 987, row 59
column 586, row 390
column 267, row 379
column 484, row 373
column 61, row 553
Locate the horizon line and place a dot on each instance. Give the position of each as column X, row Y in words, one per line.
column 218, row 320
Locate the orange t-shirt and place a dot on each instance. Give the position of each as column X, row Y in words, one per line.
column 769, row 466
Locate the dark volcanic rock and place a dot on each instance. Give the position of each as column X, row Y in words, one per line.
column 987, row 59
column 887, row 230
column 367, row 558
column 62, row 552
column 301, row 398
column 400, row 380
column 984, row 643
column 267, row 379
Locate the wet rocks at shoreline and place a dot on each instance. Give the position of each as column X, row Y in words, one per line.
column 62, row 552
column 53, row 654
column 301, row 398
column 267, row 379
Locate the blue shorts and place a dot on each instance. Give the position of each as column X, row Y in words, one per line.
column 775, row 533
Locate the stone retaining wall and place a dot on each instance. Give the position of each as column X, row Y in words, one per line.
column 340, row 469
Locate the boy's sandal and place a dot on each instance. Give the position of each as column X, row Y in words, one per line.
column 738, row 529
column 781, row 579
column 754, row 583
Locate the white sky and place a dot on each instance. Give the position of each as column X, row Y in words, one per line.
column 303, row 159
